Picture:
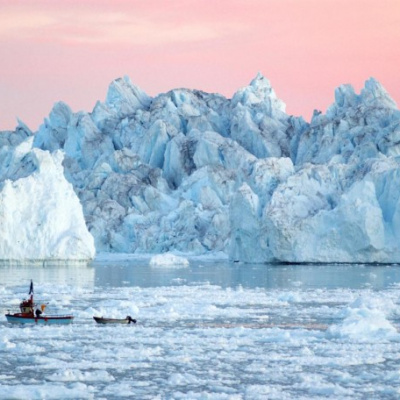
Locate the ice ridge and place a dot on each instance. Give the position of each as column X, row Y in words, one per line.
column 193, row 172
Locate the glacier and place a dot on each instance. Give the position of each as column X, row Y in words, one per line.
column 41, row 218
column 189, row 172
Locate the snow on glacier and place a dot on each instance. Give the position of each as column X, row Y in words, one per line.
column 194, row 172
column 41, row 217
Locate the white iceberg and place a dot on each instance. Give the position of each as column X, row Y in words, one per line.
column 41, row 217
column 168, row 260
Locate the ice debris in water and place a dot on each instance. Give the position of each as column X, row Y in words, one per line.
column 365, row 320
column 168, row 260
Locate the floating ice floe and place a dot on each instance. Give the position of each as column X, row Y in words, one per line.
column 365, row 320
column 168, row 260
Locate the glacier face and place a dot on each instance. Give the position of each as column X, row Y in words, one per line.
column 41, row 217
column 195, row 172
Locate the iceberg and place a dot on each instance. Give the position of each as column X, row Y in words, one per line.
column 168, row 260
column 41, row 217
column 190, row 172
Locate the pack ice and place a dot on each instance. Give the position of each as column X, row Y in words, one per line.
column 197, row 173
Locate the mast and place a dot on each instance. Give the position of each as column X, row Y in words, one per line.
column 31, row 290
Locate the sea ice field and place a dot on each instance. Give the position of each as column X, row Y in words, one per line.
column 206, row 329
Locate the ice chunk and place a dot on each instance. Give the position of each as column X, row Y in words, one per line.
column 365, row 320
column 168, row 260
column 41, row 216
column 125, row 97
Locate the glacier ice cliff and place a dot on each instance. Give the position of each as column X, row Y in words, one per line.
column 41, row 217
column 194, row 172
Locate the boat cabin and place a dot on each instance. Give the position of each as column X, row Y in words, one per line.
column 27, row 306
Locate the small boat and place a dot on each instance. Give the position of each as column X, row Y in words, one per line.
column 127, row 320
column 29, row 315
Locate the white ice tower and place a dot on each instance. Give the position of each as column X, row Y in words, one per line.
column 41, row 217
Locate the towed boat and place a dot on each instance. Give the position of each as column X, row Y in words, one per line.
column 127, row 320
column 32, row 314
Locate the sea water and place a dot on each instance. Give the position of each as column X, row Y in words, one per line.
column 210, row 330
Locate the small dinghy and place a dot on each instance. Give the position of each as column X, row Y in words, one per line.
column 29, row 315
column 127, row 320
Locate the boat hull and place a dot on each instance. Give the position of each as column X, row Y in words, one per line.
column 101, row 320
column 42, row 320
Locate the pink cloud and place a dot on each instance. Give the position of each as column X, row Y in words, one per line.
column 71, row 50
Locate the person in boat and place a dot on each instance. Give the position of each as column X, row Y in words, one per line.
column 39, row 312
column 130, row 319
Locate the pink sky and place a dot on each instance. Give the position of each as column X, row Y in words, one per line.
column 71, row 50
